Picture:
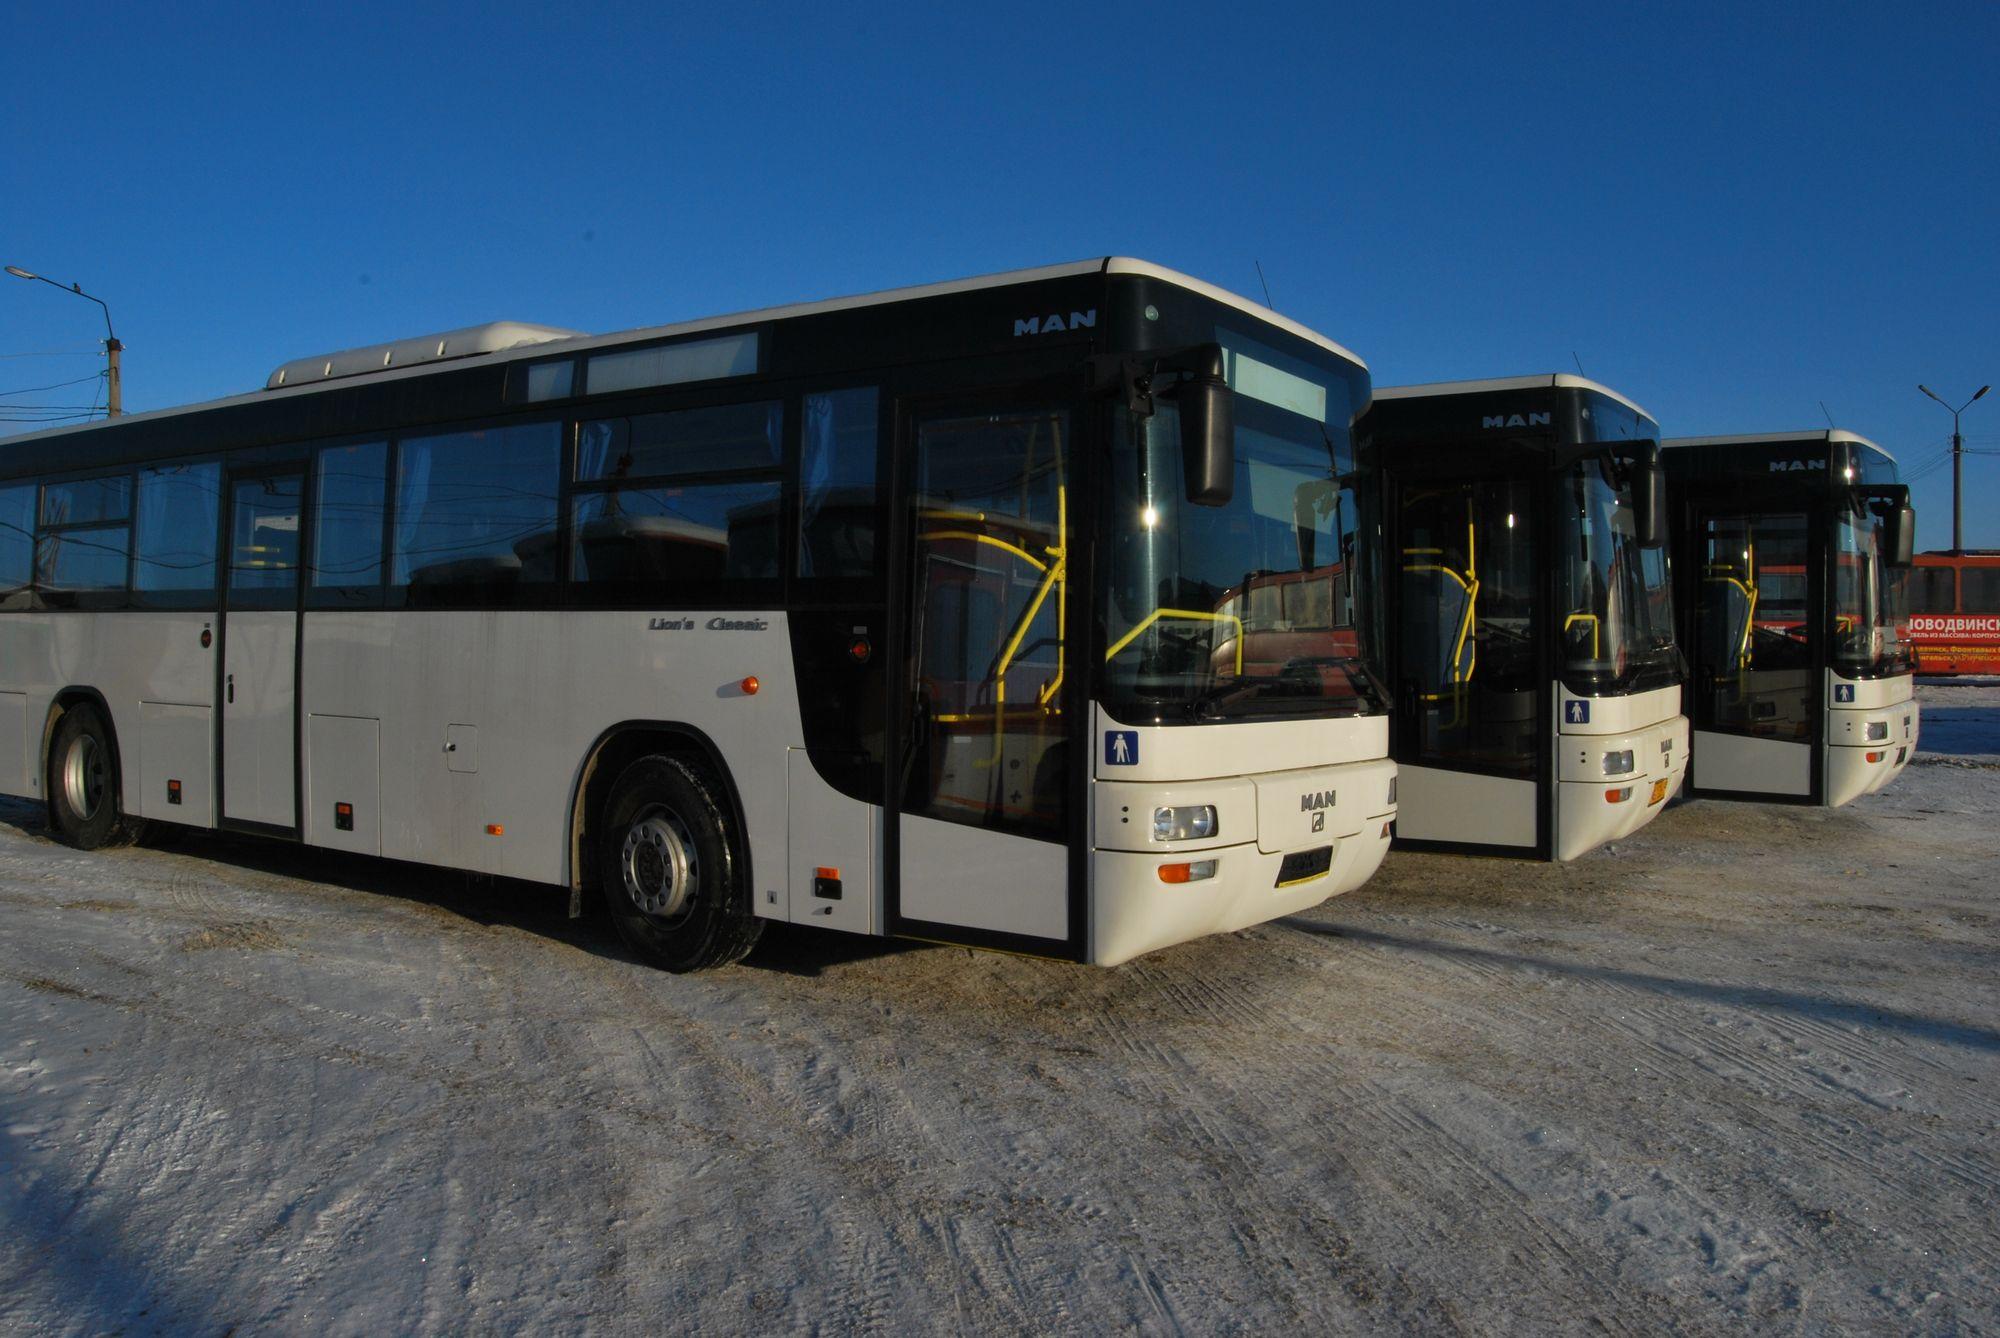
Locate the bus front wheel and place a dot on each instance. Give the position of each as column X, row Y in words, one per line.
column 83, row 782
column 668, row 867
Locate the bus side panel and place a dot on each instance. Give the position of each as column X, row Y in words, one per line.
column 131, row 660
column 15, row 761
column 487, row 719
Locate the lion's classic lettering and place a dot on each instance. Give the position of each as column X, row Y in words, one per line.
column 716, row 624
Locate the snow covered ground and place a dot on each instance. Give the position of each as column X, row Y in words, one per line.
column 1744, row 1066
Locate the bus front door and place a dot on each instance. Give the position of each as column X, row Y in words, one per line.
column 980, row 818
column 1471, row 726
column 1755, row 702
column 260, row 627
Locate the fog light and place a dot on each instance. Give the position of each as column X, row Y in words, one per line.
column 1392, row 789
column 1618, row 763
column 1878, row 731
column 1193, row 822
column 1193, row 872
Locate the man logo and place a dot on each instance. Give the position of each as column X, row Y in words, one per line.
column 1792, row 466
column 1053, row 323
column 1515, row 420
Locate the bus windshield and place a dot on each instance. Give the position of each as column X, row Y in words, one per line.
column 1614, row 597
column 1870, row 624
column 1245, row 609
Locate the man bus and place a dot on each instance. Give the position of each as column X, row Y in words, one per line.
column 1536, row 679
column 928, row 613
column 1787, row 545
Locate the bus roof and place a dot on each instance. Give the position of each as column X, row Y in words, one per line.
column 1545, row 381
column 512, row 340
column 1829, row 435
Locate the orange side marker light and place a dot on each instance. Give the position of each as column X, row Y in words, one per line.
column 750, row 686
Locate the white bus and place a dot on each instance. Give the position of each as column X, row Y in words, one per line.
column 1791, row 547
column 1018, row 612
column 1538, row 687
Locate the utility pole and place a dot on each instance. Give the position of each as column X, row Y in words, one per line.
column 1957, row 467
column 114, row 392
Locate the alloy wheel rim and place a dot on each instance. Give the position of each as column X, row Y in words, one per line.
column 658, row 865
column 83, row 776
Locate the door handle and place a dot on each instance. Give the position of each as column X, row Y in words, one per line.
column 229, row 682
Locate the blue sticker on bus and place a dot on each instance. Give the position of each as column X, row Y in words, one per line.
column 1843, row 692
column 1121, row 748
column 1576, row 711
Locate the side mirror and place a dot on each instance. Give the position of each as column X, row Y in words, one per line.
column 1899, row 533
column 1208, row 431
column 1649, row 495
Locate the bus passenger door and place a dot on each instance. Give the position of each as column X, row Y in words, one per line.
column 980, row 822
column 1471, row 723
column 260, row 628
column 1754, row 702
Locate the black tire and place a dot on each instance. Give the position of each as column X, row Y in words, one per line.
column 83, row 782
column 670, row 870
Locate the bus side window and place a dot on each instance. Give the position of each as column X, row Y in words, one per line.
column 476, row 515
column 174, row 531
column 351, row 485
column 1932, row 590
column 83, row 544
column 838, row 503
column 1979, row 589
column 17, row 545
column 681, row 499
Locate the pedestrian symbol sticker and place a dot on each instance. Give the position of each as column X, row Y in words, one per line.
column 1121, row 748
column 1843, row 692
column 1576, row 712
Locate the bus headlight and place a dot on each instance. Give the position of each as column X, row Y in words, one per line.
column 1618, row 763
column 1194, row 822
column 1878, row 731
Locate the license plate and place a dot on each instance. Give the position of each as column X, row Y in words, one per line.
column 1659, row 792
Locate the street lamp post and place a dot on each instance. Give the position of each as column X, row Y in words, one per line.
column 112, row 348
column 1957, row 463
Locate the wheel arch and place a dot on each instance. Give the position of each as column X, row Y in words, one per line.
column 617, row 748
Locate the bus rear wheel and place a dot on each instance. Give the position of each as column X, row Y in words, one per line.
column 83, row 782
column 668, row 867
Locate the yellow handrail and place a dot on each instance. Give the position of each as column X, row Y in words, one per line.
column 1596, row 630
column 1049, row 583
column 1462, row 665
column 1050, row 688
column 1191, row 615
column 977, row 538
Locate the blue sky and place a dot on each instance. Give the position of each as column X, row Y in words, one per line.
column 1729, row 212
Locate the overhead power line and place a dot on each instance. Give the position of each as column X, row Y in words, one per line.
column 95, row 376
